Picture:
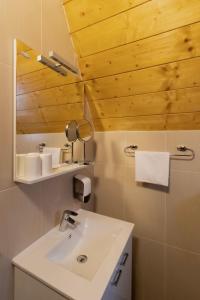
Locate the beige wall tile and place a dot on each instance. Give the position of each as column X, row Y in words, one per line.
column 145, row 140
column 144, row 205
column 148, row 270
column 110, row 147
column 6, row 278
column 166, row 216
column 190, row 139
column 183, row 206
column 109, row 190
column 182, row 274
column 20, row 207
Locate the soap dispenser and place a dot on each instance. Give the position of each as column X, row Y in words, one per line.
column 82, row 188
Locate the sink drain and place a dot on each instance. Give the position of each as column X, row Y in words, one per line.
column 82, row 259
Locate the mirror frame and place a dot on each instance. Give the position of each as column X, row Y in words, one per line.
column 78, row 132
column 14, row 83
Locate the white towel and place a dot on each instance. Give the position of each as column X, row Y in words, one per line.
column 152, row 167
column 56, row 152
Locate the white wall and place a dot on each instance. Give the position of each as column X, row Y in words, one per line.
column 166, row 264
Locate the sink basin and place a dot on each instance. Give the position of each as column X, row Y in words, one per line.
column 79, row 262
column 83, row 248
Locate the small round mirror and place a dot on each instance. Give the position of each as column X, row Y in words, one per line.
column 71, row 131
column 84, row 131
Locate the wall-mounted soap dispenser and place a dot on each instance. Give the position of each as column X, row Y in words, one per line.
column 82, row 188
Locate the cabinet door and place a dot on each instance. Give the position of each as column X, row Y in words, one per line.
column 120, row 285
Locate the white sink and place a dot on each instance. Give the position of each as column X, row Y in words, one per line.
column 83, row 249
column 53, row 258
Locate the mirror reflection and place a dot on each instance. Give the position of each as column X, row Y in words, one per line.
column 84, row 130
column 45, row 102
column 71, row 131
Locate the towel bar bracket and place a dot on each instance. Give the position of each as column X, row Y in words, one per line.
column 130, row 151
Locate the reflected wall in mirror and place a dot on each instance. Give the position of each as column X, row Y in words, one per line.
column 45, row 101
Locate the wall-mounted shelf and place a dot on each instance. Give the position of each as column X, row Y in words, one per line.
column 64, row 169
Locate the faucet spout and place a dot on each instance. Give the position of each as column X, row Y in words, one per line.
column 67, row 219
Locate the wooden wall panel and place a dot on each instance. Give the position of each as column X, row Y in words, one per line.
column 82, row 13
column 181, row 74
column 141, row 64
column 171, row 46
column 155, row 122
column 138, row 23
column 168, row 102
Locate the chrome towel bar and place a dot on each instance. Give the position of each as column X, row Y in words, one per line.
column 190, row 155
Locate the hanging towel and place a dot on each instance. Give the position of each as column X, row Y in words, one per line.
column 56, row 152
column 152, row 167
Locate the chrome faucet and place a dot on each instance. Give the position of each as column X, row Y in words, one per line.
column 67, row 220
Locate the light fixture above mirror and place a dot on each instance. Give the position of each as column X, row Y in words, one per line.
column 57, row 64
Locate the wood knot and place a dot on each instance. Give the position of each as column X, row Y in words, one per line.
column 190, row 49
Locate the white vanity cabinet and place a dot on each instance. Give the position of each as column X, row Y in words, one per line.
column 120, row 285
column 28, row 288
column 50, row 268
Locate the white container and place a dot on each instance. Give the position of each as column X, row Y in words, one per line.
column 20, row 165
column 46, row 159
column 32, row 166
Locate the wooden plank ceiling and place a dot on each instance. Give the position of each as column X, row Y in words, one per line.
column 140, row 60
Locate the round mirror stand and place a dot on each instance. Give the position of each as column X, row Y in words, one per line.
column 82, row 131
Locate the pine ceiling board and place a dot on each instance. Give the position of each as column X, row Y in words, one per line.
column 187, row 100
column 187, row 121
column 42, row 79
column 155, row 122
column 82, row 13
column 172, row 46
column 170, row 76
column 176, row 101
column 140, row 105
column 138, row 23
column 71, row 93
column 63, row 112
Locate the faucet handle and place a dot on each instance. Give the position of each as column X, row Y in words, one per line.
column 70, row 213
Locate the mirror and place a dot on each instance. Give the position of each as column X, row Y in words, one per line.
column 45, row 100
column 71, row 131
column 82, row 131
column 85, row 131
